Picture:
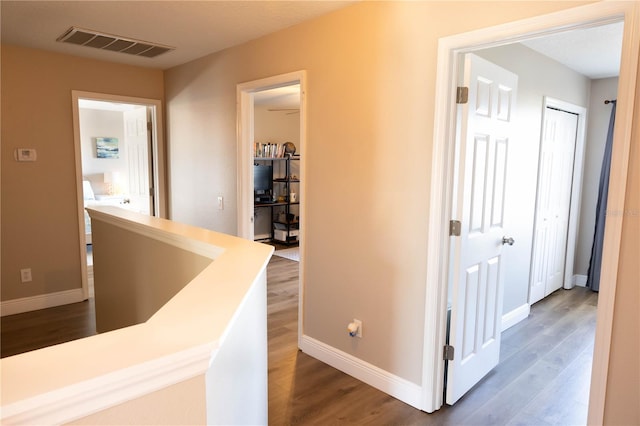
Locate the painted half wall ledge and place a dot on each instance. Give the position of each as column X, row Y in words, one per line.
column 192, row 374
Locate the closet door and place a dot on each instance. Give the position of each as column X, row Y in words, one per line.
column 555, row 174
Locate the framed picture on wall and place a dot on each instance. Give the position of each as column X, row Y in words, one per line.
column 107, row 148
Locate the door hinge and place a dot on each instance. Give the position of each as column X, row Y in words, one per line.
column 151, row 192
column 455, row 226
column 447, row 354
column 149, row 126
column 462, row 95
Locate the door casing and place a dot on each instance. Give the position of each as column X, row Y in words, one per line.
column 245, row 138
column 157, row 169
column 576, row 186
column 449, row 52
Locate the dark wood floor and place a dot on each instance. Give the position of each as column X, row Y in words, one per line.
column 47, row 327
column 543, row 377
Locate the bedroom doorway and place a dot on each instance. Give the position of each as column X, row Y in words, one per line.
column 246, row 101
column 444, row 136
column 117, row 153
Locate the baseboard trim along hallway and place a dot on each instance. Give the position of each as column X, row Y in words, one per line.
column 515, row 316
column 399, row 388
column 41, row 301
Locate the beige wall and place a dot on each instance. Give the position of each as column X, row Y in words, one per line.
column 371, row 84
column 39, row 207
column 371, row 90
column 180, row 404
column 130, row 288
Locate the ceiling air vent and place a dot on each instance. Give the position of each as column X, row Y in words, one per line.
column 114, row 43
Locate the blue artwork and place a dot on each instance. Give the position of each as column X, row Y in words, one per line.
column 107, row 147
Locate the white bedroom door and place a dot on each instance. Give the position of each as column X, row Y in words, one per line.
column 137, row 136
column 553, row 203
column 485, row 126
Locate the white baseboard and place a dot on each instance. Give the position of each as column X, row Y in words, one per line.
column 41, row 301
column 397, row 387
column 515, row 316
column 580, row 280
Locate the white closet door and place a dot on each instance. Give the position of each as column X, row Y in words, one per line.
column 553, row 202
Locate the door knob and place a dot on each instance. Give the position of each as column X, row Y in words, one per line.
column 508, row 240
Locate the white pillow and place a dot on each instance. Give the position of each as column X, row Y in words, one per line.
column 87, row 190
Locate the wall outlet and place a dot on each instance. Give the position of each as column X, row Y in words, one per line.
column 355, row 328
column 359, row 324
column 25, row 154
column 25, row 275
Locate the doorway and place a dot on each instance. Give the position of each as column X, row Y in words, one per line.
column 246, row 93
column 444, row 137
column 558, row 198
column 117, row 150
column 276, row 183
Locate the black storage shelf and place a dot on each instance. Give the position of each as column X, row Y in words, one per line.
column 288, row 235
column 270, row 204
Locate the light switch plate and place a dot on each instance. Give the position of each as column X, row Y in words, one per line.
column 26, row 154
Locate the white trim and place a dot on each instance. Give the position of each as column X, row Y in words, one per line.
column 579, row 280
column 102, row 392
column 158, row 166
column 167, row 349
column 615, row 203
column 515, row 316
column 449, row 49
column 245, row 138
column 404, row 390
column 41, row 301
column 140, row 224
column 576, row 183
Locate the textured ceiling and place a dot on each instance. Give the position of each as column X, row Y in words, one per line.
column 594, row 52
column 195, row 28
column 198, row 28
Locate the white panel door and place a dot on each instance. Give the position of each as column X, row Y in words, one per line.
column 138, row 160
column 477, row 261
column 555, row 174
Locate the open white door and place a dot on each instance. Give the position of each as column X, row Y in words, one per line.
column 485, row 123
column 137, row 135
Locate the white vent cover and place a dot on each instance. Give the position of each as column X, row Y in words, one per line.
column 90, row 38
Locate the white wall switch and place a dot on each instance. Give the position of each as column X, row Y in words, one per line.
column 220, row 203
column 26, row 154
column 25, row 275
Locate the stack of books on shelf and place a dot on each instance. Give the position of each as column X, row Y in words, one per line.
column 268, row 150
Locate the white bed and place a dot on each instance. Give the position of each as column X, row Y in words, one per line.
column 90, row 199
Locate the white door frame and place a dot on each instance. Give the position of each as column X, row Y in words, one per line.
column 158, row 166
column 576, row 185
column 245, row 106
column 449, row 50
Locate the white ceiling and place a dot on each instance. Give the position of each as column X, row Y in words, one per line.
column 107, row 106
column 194, row 28
column 198, row 28
column 594, row 52
column 280, row 97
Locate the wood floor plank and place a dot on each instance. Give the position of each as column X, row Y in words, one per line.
column 46, row 327
column 546, row 355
